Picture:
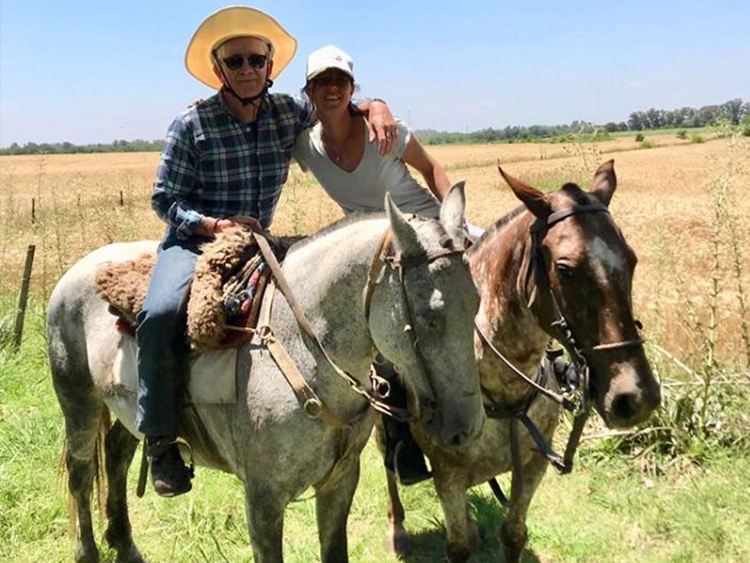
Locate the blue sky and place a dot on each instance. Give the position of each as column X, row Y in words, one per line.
column 95, row 71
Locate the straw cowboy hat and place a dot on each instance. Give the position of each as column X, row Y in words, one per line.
column 231, row 22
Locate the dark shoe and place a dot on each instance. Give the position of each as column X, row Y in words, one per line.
column 409, row 463
column 170, row 475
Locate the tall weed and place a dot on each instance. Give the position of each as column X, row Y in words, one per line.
column 705, row 394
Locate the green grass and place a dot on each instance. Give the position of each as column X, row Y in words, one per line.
column 669, row 131
column 606, row 511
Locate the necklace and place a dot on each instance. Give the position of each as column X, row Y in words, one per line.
column 335, row 153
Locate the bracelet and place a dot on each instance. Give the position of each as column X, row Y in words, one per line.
column 216, row 224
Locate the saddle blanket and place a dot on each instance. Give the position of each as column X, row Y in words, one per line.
column 212, row 380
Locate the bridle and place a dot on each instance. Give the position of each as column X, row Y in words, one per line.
column 399, row 263
column 560, row 325
column 312, row 405
column 576, row 391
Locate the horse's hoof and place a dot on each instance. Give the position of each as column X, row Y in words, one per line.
column 132, row 555
column 398, row 543
column 458, row 554
column 84, row 555
column 513, row 545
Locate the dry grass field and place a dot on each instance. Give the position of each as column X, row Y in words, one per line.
column 681, row 490
column 665, row 205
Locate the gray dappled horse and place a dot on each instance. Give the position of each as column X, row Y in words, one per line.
column 583, row 266
column 266, row 439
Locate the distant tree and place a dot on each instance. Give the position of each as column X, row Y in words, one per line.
column 708, row 115
column 654, row 118
column 635, row 121
column 610, row 127
column 732, row 110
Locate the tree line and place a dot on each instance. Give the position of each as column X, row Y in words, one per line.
column 118, row 145
column 735, row 111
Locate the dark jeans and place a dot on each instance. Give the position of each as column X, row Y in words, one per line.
column 162, row 354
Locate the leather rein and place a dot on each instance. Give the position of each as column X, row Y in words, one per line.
column 312, row 404
column 576, row 395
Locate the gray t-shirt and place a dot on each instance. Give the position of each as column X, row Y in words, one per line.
column 364, row 188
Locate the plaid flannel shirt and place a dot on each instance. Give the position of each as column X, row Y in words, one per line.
column 215, row 165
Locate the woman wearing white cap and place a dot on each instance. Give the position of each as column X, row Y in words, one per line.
column 224, row 162
column 349, row 167
column 357, row 176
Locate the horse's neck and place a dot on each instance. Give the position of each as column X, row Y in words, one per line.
column 498, row 267
column 328, row 277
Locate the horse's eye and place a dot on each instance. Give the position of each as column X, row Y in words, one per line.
column 564, row 271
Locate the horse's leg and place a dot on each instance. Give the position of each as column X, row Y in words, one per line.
column 513, row 532
column 265, row 520
column 120, row 449
column 462, row 534
column 81, row 427
column 83, row 411
column 332, row 507
column 397, row 540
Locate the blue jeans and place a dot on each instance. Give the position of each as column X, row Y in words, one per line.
column 162, row 353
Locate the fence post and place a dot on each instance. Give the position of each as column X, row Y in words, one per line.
column 23, row 297
column 33, row 210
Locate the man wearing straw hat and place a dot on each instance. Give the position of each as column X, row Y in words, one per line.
column 224, row 163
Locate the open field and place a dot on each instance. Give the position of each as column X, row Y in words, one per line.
column 613, row 508
column 664, row 206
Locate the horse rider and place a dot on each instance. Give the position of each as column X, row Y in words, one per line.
column 224, row 163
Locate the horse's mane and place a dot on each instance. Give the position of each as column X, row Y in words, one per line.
column 345, row 221
column 499, row 224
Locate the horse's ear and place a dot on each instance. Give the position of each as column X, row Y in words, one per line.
column 534, row 200
column 604, row 183
column 404, row 234
column 452, row 210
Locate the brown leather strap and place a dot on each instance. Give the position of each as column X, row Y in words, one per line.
column 375, row 268
column 311, row 404
column 304, row 324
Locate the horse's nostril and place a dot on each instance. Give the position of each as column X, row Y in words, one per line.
column 625, row 406
column 459, row 439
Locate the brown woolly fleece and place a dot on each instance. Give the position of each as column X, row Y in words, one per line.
column 206, row 319
column 124, row 285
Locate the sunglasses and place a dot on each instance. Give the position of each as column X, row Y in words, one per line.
column 337, row 79
column 255, row 61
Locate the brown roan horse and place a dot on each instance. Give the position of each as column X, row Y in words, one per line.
column 559, row 255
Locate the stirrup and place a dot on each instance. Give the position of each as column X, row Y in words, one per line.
column 410, row 473
column 148, row 453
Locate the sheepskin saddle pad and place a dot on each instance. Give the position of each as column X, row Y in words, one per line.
column 226, row 291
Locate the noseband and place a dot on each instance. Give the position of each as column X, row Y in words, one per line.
column 400, row 263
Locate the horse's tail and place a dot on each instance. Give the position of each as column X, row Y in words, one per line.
column 100, row 470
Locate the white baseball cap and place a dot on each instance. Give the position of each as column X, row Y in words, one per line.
column 329, row 57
